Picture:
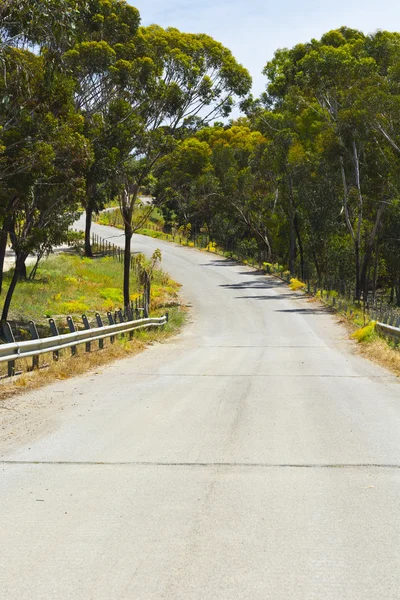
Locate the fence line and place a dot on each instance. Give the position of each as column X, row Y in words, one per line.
column 12, row 350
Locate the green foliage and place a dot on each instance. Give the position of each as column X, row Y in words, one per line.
column 113, row 294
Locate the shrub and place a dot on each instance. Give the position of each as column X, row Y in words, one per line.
column 114, row 294
column 296, row 284
column 69, row 307
column 365, row 334
column 71, row 280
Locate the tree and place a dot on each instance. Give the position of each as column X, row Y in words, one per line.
column 188, row 78
column 44, row 156
column 335, row 78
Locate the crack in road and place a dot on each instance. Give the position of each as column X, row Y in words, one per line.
column 268, row 375
column 203, row 464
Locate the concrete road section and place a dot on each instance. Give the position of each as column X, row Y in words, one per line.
column 253, row 457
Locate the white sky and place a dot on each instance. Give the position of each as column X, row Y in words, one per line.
column 254, row 29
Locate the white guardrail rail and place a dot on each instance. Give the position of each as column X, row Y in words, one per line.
column 389, row 331
column 13, row 351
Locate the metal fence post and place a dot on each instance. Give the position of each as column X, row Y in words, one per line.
column 86, row 325
column 100, row 324
column 111, row 322
column 72, row 329
column 54, row 331
column 9, row 336
column 35, row 336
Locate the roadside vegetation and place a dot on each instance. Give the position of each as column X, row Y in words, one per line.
column 91, row 102
column 71, row 284
column 98, row 110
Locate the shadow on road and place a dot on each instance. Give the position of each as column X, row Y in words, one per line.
column 274, row 297
column 304, row 311
column 256, row 284
column 223, row 262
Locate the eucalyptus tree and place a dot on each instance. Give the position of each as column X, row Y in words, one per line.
column 334, row 79
column 102, row 54
column 177, row 80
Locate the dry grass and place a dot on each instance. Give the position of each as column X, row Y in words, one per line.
column 380, row 352
column 374, row 348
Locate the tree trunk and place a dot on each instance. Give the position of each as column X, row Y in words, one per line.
column 127, row 260
column 375, row 275
column 363, row 272
column 301, row 250
column 32, row 274
column 7, row 224
column 88, row 227
column 292, row 230
column 19, row 269
column 397, row 288
column 317, row 267
column 358, row 291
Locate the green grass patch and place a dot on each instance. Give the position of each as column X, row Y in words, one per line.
column 68, row 284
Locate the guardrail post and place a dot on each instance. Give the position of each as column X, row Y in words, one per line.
column 72, row 329
column 86, row 325
column 129, row 317
column 100, row 324
column 35, row 336
column 111, row 322
column 167, row 316
column 136, row 309
column 9, row 336
column 120, row 317
column 129, row 313
column 54, row 331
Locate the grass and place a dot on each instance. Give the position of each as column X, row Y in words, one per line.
column 378, row 350
column 70, row 284
column 114, row 218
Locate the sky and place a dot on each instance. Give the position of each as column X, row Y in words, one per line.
column 254, row 29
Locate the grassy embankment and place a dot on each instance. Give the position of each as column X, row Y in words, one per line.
column 69, row 284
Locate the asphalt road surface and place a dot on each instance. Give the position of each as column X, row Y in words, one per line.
column 254, row 456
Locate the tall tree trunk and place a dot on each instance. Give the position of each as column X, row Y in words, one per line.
column 397, row 288
column 19, row 269
column 292, row 229
column 363, row 283
column 375, row 275
column 127, row 260
column 317, row 267
column 32, row 274
column 300, row 243
column 88, row 228
column 358, row 289
column 7, row 224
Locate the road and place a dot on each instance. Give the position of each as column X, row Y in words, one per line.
column 254, row 456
